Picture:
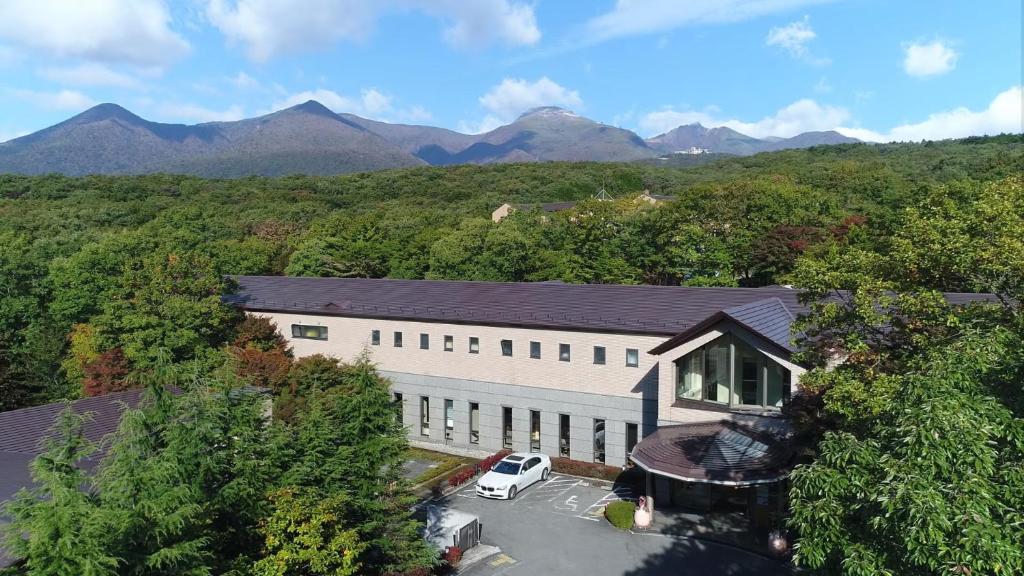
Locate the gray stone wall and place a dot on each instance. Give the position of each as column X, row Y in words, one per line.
column 583, row 408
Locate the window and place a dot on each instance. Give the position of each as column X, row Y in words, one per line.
column 398, row 339
column 506, row 427
column 375, row 337
column 598, row 354
column 309, row 332
column 632, row 357
column 534, row 349
column 599, row 441
column 424, row 341
column 474, row 345
column 632, row 433
column 563, row 435
column 506, row 347
column 534, row 430
column 728, row 371
column 399, row 408
column 449, row 419
column 449, row 343
column 563, row 352
column 474, row 423
column 424, row 416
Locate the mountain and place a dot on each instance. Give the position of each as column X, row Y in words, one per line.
column 108, row 139
column 428, row 143
column 311, row 139
column 549, row 133
column 724, row 140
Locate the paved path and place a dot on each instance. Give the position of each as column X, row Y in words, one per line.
column 556, row 527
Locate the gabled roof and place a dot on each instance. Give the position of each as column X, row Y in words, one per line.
column 769, row 318
column 649, row 310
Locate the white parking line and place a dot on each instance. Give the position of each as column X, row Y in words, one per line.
column 594, row 511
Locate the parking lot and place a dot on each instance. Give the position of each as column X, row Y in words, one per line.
column 557, row 527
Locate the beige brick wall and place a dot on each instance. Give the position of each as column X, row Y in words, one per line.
column 347, row 337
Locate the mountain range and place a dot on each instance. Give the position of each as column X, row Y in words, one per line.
column 311, row 139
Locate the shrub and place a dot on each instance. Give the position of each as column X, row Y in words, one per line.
column 586, row 469
column 453, row 556
column 487, row 463
column 461, row 477
column 620, row 514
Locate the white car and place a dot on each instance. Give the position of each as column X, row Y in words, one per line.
column 512, row 474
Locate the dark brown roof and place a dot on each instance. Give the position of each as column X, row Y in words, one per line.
column 722, row 452
column 652, row 310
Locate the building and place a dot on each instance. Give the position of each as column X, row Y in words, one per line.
column 587, row 372
column 501, row 212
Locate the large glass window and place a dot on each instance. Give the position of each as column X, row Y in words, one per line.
column 424, row 416
column 398, row 340
column 632, row 437
column 449, row 419
column 598, row 354
column 309, row 332
column 729, row 371
column 474, row 423
column 506, row 347
column 534, row 430
column 534, row 349
column 632, row 357
column 424, row 341
column 449, row 343
column 474, row 345
column 506, row 426
column 599, row 441
column 563, row 435
column 375, row 337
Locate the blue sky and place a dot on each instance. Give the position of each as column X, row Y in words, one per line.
column 878, row 70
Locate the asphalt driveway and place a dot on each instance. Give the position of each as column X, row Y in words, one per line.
column 556, row 527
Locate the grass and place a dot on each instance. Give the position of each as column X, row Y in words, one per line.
column 620, row 514
column 445, row 464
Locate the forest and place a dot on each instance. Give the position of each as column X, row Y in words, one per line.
column 916, row 444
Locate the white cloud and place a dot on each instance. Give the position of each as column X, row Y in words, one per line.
column 371, row 103
column 822, row 86
column 267, row 28
column 486, row 124
column 243, row 81
column 515, row 95
column 634, row 17
column 59, row 100
column 792, row 37
column 478, row 22
column 91, row 74
column 801, row 116
column 193, row 113
column 929, row 59
column 130, row 31
column 1003, row 114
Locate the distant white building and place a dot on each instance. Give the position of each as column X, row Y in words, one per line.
column 693, row 150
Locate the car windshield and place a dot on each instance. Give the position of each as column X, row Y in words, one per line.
column 505, row 467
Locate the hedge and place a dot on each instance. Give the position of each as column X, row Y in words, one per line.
column 586, row 469
column 620, row 514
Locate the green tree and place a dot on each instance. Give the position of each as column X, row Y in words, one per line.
column 920, row 468
column 56, row 527
column 306, row 535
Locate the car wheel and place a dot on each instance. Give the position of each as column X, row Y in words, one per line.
column 543, row 475
column 512, row 492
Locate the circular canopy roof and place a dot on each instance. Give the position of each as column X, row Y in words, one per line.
column 722, row 452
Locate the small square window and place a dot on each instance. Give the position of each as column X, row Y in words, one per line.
column 598, row 354
column 449, row 343
column 424, row 341
column 506, row 347
column 632, row 357
column 563, row 352
column 534, row 349
column 398, row 339
column 375, row 337
column 474, row 345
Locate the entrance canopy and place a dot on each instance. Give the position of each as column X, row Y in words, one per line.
column 722, row 452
